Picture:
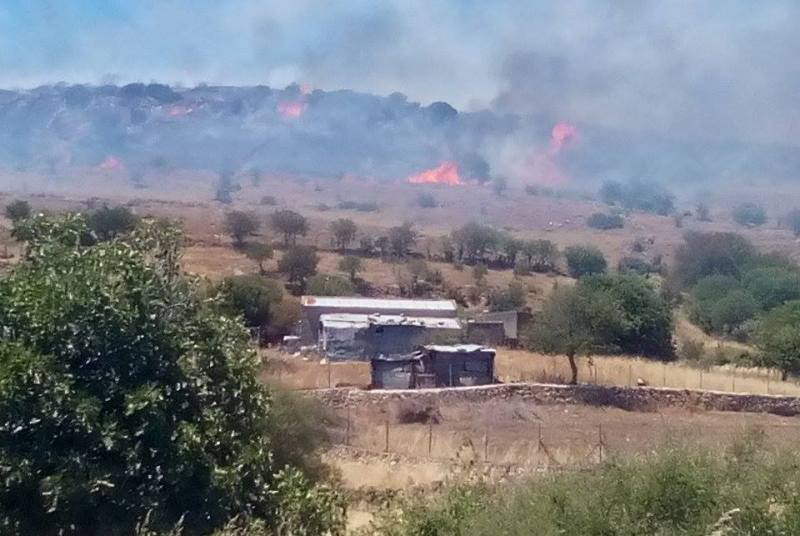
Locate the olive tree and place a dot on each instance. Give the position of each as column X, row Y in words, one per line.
column 127, row 399
column 18, row 210
column 344, row 232
column 290, row 224
column 240, row 224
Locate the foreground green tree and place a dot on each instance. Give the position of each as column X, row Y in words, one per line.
column 125, row 396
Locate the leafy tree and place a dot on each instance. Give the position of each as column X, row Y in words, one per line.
column 573, row 323
column 637, row 265
column 240, row 224
column 125, row 396
column 542, row 255
column 705, row 294
column 704, row 254
column 18, row 210
column 647, row 315
column 638, row 195
column 749, row 215
column 225, row 188
column 584, row 260
column 351, row 265
column 773, row 286
column 401, row 239
column 778, row 338
column 344, row 232
column 474, row 241
column 479, row 273
column 290, row 224
column 299, row 263
column 329, row 285
column 259, row 253
column 732, row 310
column 251, row 296
column 510, row 299
column 598, row 220
column 108, row 223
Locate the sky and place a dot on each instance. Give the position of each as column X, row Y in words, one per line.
column 703, row 69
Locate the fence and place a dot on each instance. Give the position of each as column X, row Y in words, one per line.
column 544, row 446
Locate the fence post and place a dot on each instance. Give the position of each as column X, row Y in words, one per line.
column 430, row 436
column 450, row 369
column 600, row 438
column 769, row 374
column 347, row 430
column 663, row 374
column 733, row 381
column 386, row 447
column 701, row 379
column 630, row 375
column 486, row 444
column 329, row 373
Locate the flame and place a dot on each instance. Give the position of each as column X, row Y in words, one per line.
column 179, row 110
column 110, row 163
column 544, row 166
column 562, row 135
column 444, row 173
column 291, row 109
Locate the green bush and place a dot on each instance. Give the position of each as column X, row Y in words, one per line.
column 749, row 215
column 599, row 220
column 129, row 400
column 329, row 285
column 584, row 260
column 731, row 311
column 675, row 492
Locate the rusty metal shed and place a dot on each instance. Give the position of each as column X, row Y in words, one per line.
column 435, row 366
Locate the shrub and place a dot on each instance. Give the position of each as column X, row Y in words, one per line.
column 290, row 224
column 732, row 310
column 18, row 210
column 427, row 200
column 269, row 201
column 351, row 265
column 584, row 260
column 344, row 232
column 792, row 221
column 239, row 225
column 778, row 338
column 298, row 263
column 329, row 285
column 510, row 299
column 108, row 223
column 250, row 296
column 638, row 195
column 749, row 215
column 598, row 220
column 705, row 254
column 636, row 265
column 359, row 206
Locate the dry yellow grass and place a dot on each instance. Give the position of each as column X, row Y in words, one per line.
column 521, row 365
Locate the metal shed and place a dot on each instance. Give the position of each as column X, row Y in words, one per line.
column 359, row 336
column 435, row 366
column 313, row 307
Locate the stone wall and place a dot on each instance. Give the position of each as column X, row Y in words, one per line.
column 632, row 399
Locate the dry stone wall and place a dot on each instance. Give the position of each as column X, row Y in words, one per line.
column 632, row 399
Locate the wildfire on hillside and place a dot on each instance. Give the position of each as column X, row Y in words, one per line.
column 291, row 109
column 444, row 173
column 179, row 110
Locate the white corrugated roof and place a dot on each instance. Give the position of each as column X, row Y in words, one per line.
column 378, row 304
column 459, row 348
column 354, row 320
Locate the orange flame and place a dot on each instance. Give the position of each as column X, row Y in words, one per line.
column 544, row 166
column 562, row 135
column 110, row 163
column 179, row 110
column 291, row 109
column 444, row 173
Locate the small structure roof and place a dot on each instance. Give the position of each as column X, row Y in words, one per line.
column 458, row 348
column 378, row 304
column 355, row 320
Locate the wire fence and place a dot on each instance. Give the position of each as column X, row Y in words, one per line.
column 547, row 446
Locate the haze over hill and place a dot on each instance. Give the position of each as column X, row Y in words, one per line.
column 143, row 129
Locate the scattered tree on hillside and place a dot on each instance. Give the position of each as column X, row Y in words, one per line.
column 584, row 260
column 513, row 298
column 702, row 212
column 792, row 221
column 704, row 254
column 542, row 255
column 251, row 296
column 141, row 405
column 598, row 220
column 260, row 253
column 500, row 185
column 604, row 313
column 749, row 215
column 108, row 223
column 290, row 224
column 18, row 210
column 225, row 188
column 778, row 338
column 344, row 232
column 329, row 285
column 401, row 239
column 350, row 265
column 426, row 200
column 479, row 273
column 638, row 195
column 298, row 263
column 268, row 201
column 240, row 224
